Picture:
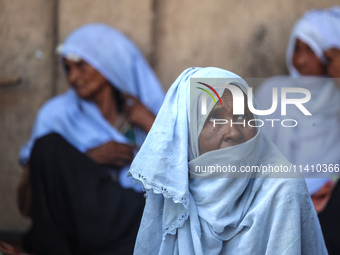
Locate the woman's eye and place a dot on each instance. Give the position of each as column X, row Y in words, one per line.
column 241, row 117
column 80, row 63
column 67, row 69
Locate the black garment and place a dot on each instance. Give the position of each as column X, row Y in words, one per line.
column 76, row 206
column 330, row 222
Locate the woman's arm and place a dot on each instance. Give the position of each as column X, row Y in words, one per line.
column 138, row 114
column 24, row 193
column 320, row 198
column 112, row 153
column 120, row 154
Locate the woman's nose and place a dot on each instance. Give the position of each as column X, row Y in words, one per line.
column 300, row 59
column 232, row 133
column 73, row 76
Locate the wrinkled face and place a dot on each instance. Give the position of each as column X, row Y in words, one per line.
column 305, row 61
column 86, row 80
column 225, row 135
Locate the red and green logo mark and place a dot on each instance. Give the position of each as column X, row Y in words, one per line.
column 207, row 91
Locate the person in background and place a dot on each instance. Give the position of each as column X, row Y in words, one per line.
column 313, row 59
column 217, row 212
column 74, row 185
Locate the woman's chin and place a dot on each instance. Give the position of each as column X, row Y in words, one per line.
column 83, row 94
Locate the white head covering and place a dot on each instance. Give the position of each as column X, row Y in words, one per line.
column 117, row 58
column 216, row 215
column 80, row 121
column 315, row 141
column 319, row 29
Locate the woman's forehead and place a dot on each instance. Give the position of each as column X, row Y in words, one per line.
column 227, row 95
column 227, row 101
column 227, row 104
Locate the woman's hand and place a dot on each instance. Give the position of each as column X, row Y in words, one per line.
column 112, row 153
column 137, row 113
column 333, row 58
column 320, row 198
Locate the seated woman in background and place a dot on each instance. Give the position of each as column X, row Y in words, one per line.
column 82, row 144
column 217, row 213
column 313, row 58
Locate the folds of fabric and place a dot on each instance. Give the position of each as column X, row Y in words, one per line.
column 80, row 121
column 76, row 206
column 315, row 139
column 217, row 215
column 319, row 29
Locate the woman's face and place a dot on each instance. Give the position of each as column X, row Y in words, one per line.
column 225, row 135
column 86, row 80
column 305, row 61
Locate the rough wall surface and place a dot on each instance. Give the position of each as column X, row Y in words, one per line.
column 247, row 37
column 26, row 52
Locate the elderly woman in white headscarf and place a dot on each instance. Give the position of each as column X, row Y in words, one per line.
column 313, row 58
column 226, row 212
column 82, row 144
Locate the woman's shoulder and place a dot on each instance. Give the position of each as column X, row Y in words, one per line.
column 263, row 93
column 282, row 193
column 55, row 108
column 275, row 81
column 55, row 105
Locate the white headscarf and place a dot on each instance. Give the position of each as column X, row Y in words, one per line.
column 319, row 29
column 216, row 215
column 315, row 141
column 80, row 121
